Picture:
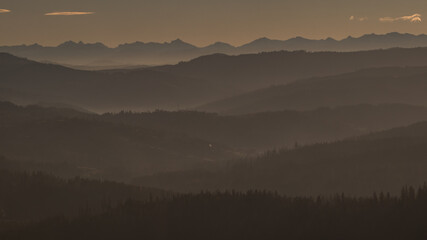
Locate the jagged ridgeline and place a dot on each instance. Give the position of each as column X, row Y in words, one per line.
column 98, row 55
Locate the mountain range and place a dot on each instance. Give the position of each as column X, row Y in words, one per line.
column 405, row 85
column 152, row 53
column 188, row 84
column 27, row 82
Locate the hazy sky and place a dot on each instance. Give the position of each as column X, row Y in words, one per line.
column 202, row 22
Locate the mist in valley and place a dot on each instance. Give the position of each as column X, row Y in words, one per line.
column 317, row 136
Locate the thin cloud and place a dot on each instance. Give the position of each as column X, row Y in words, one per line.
column 360, row 19
column 416, row 18
column 68, row 13
column 5, row 11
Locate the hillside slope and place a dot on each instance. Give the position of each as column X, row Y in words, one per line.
column 370, row 86
column 384, row 161
column 186, row 85
column 253, row 71
column 25, row 81
column 84, row 145
column 268, row 130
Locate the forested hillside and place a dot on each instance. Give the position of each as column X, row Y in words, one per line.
column 269, row 130
column 36, row 196
column 252, row 215
column 78, row 143
column 359, row 166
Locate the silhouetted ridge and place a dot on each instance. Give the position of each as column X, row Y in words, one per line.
column 369, row 86
column 152, row 53
column 82, row 46
column 179, row 42
column 29, row 82
column 189, row 84
column 262, row 131
column 9, row 59
column 10, row 63
column 220, row 44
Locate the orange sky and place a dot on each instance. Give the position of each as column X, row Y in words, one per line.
column 202, row 22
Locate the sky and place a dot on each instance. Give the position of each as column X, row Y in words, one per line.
column 202, row 22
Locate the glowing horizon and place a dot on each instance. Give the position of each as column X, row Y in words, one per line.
column 202, row 22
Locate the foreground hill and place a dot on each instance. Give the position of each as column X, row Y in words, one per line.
column 36, row 196
column 71, row 143
column 268, row 130
column 252, row 215
column 370, row 86
column 379, row 162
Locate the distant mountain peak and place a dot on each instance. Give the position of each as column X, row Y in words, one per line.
column 72, row 44
column 220, row 44
column 299, row 38
column 177, row 41
column 391, row 34
column 35, row 45
column 395, row 34
column 263, row 39
column 137, row 43
column 263, row 44
column 329, row 39
column 67, row 44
